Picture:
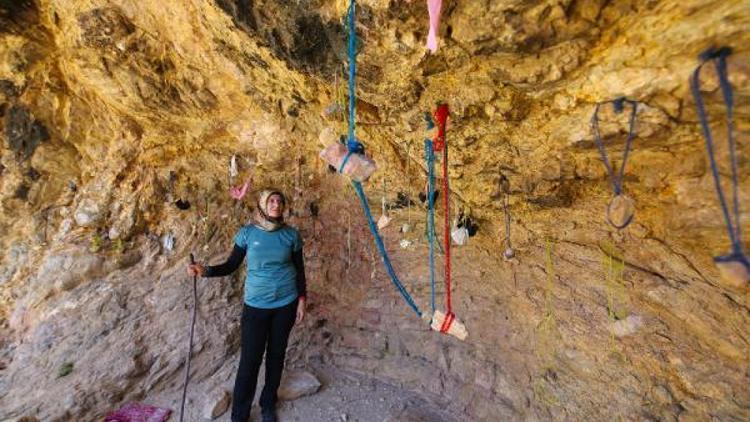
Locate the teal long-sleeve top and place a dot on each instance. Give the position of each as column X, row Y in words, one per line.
column 275, row 266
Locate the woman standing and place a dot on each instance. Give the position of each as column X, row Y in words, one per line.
column 274, row 300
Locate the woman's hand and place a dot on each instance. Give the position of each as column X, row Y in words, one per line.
column 300, row 310
column 196, row 270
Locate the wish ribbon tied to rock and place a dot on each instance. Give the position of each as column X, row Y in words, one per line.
column 735, row 266
column 238, row 192
column 621, row 207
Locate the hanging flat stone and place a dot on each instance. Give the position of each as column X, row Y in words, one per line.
column 383, row 221
column 620, row 211
column 460, row 235
column 734, row 269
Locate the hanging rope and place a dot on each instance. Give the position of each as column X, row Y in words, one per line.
column 509, row 253
column 620, row 200
column 352, row 143
column 430, row 159
column 732, row 220
column 408, row 175
column 439, row 144
column 434, row 241
column 381, row 248
column 355, row 147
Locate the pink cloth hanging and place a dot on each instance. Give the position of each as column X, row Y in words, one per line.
column 239, row 192
column 137, row 412
column 433, row 7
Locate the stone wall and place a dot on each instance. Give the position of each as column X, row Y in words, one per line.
column 112, row 111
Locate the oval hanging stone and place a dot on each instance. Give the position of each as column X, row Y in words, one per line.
column 620, row 211
column 734, row 269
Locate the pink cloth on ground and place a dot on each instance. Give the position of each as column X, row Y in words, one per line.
column 137, row 412
column 433, row 7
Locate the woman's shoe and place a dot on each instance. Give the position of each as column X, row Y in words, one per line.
column 268, row 415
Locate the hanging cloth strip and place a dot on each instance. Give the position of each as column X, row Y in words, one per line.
column 407, row 227
column 734, row 267
column 233, row 172
column 621, row 208
column 239, row 192
column 433, row 8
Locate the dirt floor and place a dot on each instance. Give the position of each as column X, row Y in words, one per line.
column 344, row 396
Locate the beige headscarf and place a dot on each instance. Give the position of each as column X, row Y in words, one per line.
column 262, row 219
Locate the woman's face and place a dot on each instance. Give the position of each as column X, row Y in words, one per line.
column 275, row 206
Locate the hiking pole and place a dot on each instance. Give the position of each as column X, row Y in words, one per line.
column 190, row 344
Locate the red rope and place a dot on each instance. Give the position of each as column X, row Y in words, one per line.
column 439, row 143
column 441, row 117
column 447, row 322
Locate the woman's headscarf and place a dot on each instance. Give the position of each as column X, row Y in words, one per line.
column 262, row 219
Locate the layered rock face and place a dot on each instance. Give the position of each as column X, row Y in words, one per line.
column 112, row 111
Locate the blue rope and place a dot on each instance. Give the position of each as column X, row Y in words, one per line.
column 619, row 106
column 719, row 56
column 355, row 147
column 381, row 248
column 353, row 144
column 430, row 158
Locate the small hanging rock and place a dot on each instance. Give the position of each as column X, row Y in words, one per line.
column 620, row 211
column 460, row 235
column 509, row 253
column 167, row 241
column 504, row 184
column 383, row 221
column 406, row 228
column 734, row 269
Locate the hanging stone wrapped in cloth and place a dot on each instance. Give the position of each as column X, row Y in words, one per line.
column 355, row 165
column 621, row 208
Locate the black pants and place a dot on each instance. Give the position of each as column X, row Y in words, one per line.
column 262, row 329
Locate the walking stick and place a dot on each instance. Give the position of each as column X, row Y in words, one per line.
column 190, row 344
